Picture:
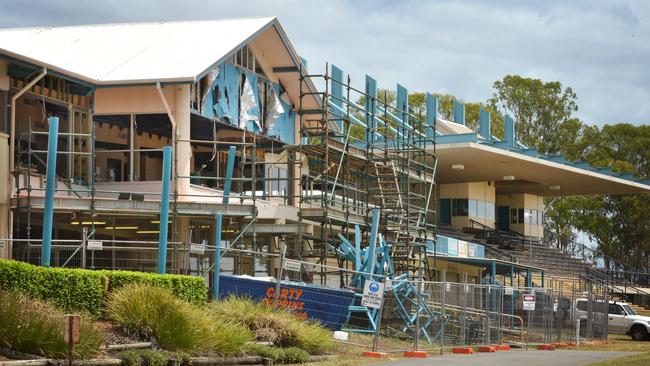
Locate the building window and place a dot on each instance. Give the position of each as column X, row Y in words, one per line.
column 459, row 207
column 513, row 215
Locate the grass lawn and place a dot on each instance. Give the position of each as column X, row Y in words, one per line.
column 622, row 343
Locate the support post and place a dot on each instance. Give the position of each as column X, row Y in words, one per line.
column 230, row 166
column 217, row 257
column 357, row 248
column 374, row 229
column 164, row 210
column 50, row 185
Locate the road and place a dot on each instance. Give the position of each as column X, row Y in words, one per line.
column 512, row 358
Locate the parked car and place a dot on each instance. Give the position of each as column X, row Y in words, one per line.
column 622, row 319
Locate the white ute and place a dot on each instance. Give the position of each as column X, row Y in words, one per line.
column 622, row 319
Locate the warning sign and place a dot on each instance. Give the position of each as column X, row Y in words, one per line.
column 529, row 302
column 373, row 292
column 291, row 265
column 509, row 290
column 95, row 245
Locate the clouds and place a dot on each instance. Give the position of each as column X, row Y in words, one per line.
column 599, row 48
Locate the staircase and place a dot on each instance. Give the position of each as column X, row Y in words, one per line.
column 402, row 227
column 527, row 250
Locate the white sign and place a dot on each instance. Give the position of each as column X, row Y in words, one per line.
column 509, row 291
column 94, row 245
column 389, row 285
column 447, row 286
column 373, row 293
column 529, row 302
column 197, row 249
column 2, row 244
column 555, row 302
column 291, row 265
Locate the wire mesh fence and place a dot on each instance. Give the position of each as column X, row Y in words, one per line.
column 403, row 313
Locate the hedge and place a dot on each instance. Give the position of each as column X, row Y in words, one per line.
column 87, row 290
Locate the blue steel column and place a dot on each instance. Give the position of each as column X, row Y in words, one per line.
column 374, row 229
column 542, row 279
column 432, row 113
column 370, row 107
column 217, row 257
column 484, row 121
column 164, row 210
column 357, row 248
column 50, row 184
column 529, row 281
column 402, row 100
column 336, row 87
column 230, row 166
column 459, row 112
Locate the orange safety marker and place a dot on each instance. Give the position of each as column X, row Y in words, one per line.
column 487, row 349
column 503, row 347
column 416, row 354
column 463, row 350
column 375, row 354
column 546, row 347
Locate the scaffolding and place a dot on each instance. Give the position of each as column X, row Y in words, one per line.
column 357, row 152
column 365, row 153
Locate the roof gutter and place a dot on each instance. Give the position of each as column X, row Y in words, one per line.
column 12, row 136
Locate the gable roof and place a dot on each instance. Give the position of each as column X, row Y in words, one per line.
column 134, row 52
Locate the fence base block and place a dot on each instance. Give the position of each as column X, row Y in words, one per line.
column 375, row 354
column 503, row 347
column 546, row 347
column 463, row 350
column 416, row 354
column 487, row 349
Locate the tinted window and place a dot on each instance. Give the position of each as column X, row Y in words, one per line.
column 459, row 207
column 582, row 305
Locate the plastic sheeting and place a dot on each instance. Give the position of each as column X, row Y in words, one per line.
column 249, row 111
column 222, row 101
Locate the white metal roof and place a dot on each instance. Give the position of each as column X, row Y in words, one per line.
column 132, row 53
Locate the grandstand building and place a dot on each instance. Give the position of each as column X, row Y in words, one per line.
column 284, row 164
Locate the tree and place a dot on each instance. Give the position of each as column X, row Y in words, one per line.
column 538, row 108
column 619, row 224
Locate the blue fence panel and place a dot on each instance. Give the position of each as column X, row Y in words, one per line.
column 326, row 305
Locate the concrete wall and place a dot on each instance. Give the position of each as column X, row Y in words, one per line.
column 527, row 202
column 483, row 191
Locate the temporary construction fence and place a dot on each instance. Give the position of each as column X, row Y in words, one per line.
column 387, row 313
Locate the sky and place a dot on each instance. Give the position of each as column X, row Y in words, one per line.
column 601, row 49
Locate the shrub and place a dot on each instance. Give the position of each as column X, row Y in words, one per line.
column 155, row 313
column 67, row 288
column 281, row 355
column 295, row 355
column 36, row 327
column 86, row 290
column 274, row 353
column 188, row 288
column 146, row 357
column 274, row 325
